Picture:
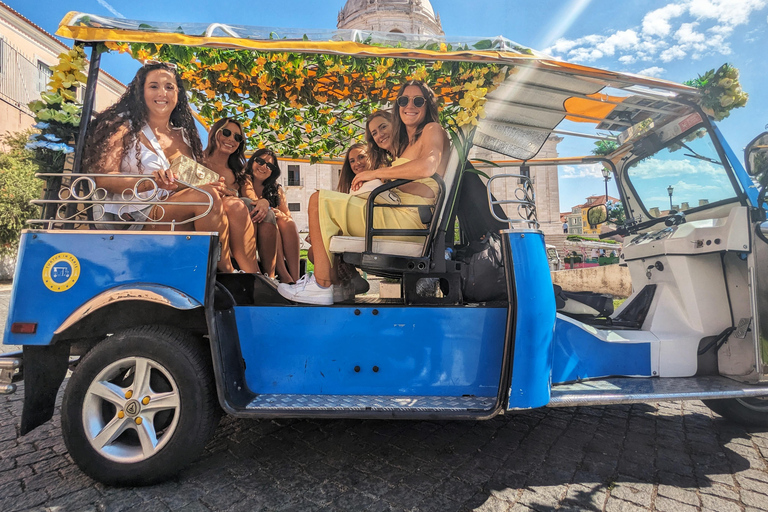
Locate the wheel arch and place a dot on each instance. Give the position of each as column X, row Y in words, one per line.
column 130, row 305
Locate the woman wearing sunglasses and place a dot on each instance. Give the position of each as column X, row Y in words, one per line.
column 150, row 125
column 421, row 147
column 277, row 234
column 225, row 155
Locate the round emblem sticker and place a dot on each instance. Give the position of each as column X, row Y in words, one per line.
column 61, row 271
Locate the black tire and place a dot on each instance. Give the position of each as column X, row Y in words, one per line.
column 121, row 439
column 746, row 411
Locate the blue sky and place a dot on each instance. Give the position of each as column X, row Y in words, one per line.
column 671, row 39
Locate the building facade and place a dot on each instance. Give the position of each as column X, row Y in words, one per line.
column 401, row 16
column 27, row 54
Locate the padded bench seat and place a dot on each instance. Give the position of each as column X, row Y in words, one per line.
column 342, row 244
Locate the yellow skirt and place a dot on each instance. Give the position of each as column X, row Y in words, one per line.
column 346, row 215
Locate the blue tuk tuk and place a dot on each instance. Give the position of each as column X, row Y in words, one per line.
column 160, row 344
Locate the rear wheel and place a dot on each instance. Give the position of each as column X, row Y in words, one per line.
column 747, row 411
column 140, row 406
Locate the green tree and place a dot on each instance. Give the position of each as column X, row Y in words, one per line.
column 616, row 213
column 18, row 186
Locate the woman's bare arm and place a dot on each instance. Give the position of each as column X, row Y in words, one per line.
column 429, row 158
column 283, row 204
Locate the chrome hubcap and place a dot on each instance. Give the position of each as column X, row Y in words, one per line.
column 131, row 410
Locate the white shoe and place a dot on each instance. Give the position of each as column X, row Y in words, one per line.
column 307, row 291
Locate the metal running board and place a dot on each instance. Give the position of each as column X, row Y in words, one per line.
column 627, row 391
column 370, row 403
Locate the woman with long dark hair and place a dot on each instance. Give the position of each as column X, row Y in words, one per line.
column 355, row 160
column 225, row 155
column 421, row 147
column 270, row 208
column 378, row 135
column 149, row 126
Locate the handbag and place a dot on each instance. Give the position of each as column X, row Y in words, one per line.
column 388, row 196
column 191, row 173
column 482, row 275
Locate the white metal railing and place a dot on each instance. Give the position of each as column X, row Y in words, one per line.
column 524, row 198
column 80, row 202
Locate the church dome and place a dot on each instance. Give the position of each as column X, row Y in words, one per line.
column 409, row 16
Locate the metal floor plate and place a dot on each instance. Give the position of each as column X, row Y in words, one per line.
column 371, row 403
column 625, row 390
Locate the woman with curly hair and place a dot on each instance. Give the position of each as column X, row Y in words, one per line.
column 421, row 147
column 150, row 125
column 225, row 155
column 270, row 208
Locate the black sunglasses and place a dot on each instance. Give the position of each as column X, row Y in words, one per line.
column 228, row 133
column 261, row 161
column 418, row 101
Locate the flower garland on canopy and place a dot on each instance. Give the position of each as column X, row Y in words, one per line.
column 57, row 113
column 313, row 105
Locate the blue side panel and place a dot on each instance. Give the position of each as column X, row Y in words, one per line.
column 428, row 351
column 59, row 271
column 534, row 321
column 581, row 355
column 741, row 174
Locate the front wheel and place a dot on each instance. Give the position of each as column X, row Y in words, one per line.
column 747, row 411
column 140, row 406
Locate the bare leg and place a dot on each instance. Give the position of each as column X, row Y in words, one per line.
column 242, row 235
column 216, row 220
column 280, row 268
column 323, row 267
column 266, row 237
column 289, row 235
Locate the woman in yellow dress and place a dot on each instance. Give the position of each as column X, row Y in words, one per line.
column 421, row 147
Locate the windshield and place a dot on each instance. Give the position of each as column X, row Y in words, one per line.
column 686, row 174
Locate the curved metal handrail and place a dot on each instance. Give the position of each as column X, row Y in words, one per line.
column 84, row 192
column 525, row 199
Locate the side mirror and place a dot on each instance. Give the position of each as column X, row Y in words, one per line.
column 597, row 215
column 756, row 155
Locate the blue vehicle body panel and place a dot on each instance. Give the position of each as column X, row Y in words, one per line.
column 580, row 354
column 60, row 271
column 534, row 321
column 741, row 174
column 429, row 351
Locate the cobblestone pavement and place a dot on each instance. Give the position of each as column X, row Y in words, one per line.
column 675, row 456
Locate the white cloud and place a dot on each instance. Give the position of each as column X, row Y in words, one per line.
column 654, row 71
column 581, row 171
column 681, row 29
column 673, row 53
column 687, row 34
column 657, row 23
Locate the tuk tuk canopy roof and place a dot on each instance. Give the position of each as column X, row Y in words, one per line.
column 307, row 93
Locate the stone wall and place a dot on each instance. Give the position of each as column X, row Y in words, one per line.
column 613, row 279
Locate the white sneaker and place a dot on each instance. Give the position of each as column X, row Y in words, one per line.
column 307, row 291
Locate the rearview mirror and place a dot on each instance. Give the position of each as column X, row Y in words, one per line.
column 597, row 215
column 756, row 155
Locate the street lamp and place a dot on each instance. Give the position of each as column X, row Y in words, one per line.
column 607, row 175
column 669, row 191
